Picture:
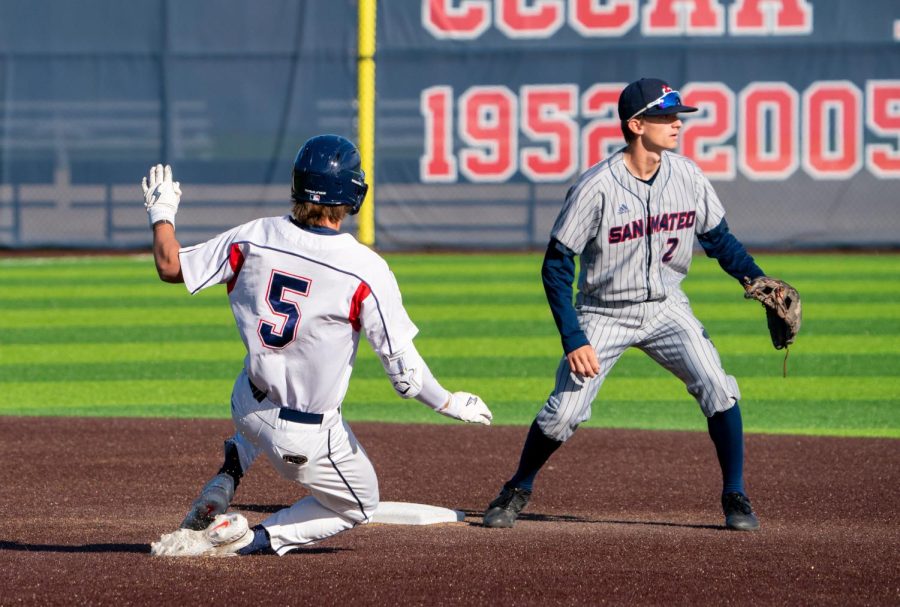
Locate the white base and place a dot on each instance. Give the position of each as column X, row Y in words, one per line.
column 404, row 513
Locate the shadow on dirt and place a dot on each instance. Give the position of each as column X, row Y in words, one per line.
column 25, row 547
column 565, row 518
column 261, row 508
column 127, row 548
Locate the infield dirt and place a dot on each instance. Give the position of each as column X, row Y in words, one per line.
column 618, row 517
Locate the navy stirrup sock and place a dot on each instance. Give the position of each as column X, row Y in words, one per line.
column 260, row 544
column 727, row 432
column 537, row 450
column 232, row 464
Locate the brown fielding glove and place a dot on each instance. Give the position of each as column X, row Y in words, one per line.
column 782, row 304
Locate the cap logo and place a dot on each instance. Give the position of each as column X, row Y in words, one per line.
column 666, row 89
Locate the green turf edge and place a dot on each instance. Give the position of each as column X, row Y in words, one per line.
column 802, row 269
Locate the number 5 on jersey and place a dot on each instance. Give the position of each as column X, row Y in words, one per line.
column 284, row 288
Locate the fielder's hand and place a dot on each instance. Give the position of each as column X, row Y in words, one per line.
column 161, row 194
column 583, row 361
column 468, row 408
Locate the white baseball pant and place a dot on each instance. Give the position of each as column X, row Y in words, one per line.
column 324, row 457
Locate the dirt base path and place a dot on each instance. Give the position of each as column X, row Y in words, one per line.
column 619, row 517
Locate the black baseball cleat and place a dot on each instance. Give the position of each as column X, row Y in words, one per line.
column 739, row 513
column 503, row 511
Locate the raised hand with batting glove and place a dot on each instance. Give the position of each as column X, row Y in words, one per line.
column 161, row 194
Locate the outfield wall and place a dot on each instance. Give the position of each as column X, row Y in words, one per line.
column 487, row 110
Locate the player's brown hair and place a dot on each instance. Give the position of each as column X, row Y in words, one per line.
column 313, row 214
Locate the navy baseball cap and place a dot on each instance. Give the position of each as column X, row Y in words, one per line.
column 651, row 97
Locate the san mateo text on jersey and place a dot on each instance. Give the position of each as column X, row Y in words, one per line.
column 657, row 223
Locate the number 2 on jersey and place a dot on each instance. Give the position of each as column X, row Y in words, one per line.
column 670, row 252
column 283, row 288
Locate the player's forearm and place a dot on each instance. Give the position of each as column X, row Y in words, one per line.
column 165, row 252
column 558, row 273
column 720, row 244
column 433, row 394
column 412, row 378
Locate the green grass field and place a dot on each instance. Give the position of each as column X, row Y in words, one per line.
column 101, row 336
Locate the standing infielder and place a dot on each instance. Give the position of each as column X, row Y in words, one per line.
column 301, row 294
column 632, row 219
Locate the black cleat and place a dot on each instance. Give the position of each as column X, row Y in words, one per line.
column 503, row 511
column 739, row 513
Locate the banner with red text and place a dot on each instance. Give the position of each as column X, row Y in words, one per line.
column 489, row 109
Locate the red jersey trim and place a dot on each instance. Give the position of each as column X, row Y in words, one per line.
column 236, row 261
column 362, row 291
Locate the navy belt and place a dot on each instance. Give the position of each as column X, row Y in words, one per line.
column 291, row 415
column 301, row 417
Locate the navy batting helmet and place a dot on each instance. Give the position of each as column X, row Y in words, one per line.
column 326, row 171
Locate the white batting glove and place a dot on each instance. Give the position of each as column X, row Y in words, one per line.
column 161, row 194
column 468, row 408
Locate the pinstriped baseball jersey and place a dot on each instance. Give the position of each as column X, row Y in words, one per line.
column 300, row 300
column 635, row 241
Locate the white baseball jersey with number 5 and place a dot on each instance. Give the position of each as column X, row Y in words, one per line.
column 300, row 300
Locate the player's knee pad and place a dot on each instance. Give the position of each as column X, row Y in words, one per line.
column 405, row 369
